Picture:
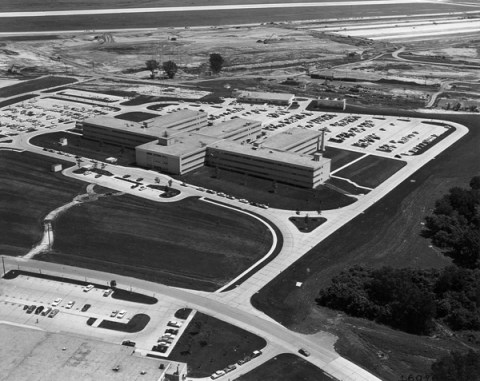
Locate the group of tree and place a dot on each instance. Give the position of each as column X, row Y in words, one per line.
column 169, row 67
column 216, row 62
column 412, row 299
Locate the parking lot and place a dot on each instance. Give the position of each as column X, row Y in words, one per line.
column 71, row 300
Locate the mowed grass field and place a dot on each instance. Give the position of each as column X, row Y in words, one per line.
column 340, row 157
column 209, row 344
column 190, row 243
column 213, row 18
column 286, row 367
column 34, row 85
column 28, row 192
column 40, row 5
column 371, row 170
column 387, row 234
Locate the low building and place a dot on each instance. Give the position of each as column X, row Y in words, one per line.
column 131, row 134
column 281, row 99
column 334, row 103
column 302, row 170
column 296, row 140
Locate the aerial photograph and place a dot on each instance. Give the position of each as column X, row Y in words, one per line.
column 251, row 190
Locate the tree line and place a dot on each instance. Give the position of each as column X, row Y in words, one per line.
column 216, row 62
column 414, row 300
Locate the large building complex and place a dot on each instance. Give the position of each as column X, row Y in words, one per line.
column 182, row 141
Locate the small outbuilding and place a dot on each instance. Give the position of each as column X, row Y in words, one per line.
column 56, row 167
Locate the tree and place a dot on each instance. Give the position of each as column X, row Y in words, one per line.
column 170, row 182
column 455, row 225
column 113, row 283
column 457, row 366
column 170, row 68
column 216, row 62
column 152, row 65
column 157, row 180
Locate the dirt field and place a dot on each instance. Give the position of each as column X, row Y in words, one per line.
column 209, row 344
column 28, row 192
column 386, row 234
column 189, row 243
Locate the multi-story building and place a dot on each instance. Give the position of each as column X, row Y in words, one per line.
column 296, row 140
column 281, row 99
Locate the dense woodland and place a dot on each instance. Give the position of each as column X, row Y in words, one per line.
column 416, row 300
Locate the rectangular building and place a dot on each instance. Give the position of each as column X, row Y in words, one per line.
column 296, row 140
column 281, row 99
column 131, row 134
column 239, row 130
column 302, row 170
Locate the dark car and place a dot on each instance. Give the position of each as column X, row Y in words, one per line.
column 25, row 307
column 39, row 309
column 86, row 307
column 31, row 309
column 129, row 343
column 304, row 352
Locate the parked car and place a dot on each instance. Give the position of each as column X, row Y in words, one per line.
column 304, row 352
column 114, row 313
column 53, row 313
column 31, row 309
column 129, row 343
column 46, row 311
column 39, row 309
column 56, row 302
column 107, row 292
column 86, row 307
column 121, row 314
column 88, row 288
column 69, row 304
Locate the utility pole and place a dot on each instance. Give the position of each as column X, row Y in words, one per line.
column 3, row 263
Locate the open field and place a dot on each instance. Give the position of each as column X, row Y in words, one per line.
column 189, row 243
column 34, row 85
column 285, row 367
column 209, row 18
column 340, row 157
column 38, row 5
column 28, row 192
column 209, row 344
column 371, row 171
column 388, row 233
column 261, row 190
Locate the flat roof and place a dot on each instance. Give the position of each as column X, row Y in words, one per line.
column 224, row 129
column 184, row 144
column 156, row 126
column 265, row 95
column 289, row 138
column 39, row 355
column 174, row 118
column 305, row 161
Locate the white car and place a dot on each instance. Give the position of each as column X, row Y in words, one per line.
column 88, row 288
column 121, row 314
column 56, row 302
column 69, row 304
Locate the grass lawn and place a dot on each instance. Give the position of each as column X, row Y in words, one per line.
column 346, row 187
column 28, row 192
column 209, row 344
column 307, row 225
column 190, row 243
column 34, row 85
column 371, row 170
column 136, row 116
column 77, row 145
column 340, row 157
column 286, row 367
column 136, row 324
column 18, row 99
column 260, row 190
column 388, row 233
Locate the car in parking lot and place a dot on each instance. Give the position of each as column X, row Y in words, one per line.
column 304, row 352
column 39, row 309
column 53, row 313
column 121, row 314
column 86, row 307
column 107, row 292
column 114, row 313
column 25, row 307
column 129, row 343
column 88, row 288
column 56, row 302
column 70, row 304
column 31, row 309
column 46, row 311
